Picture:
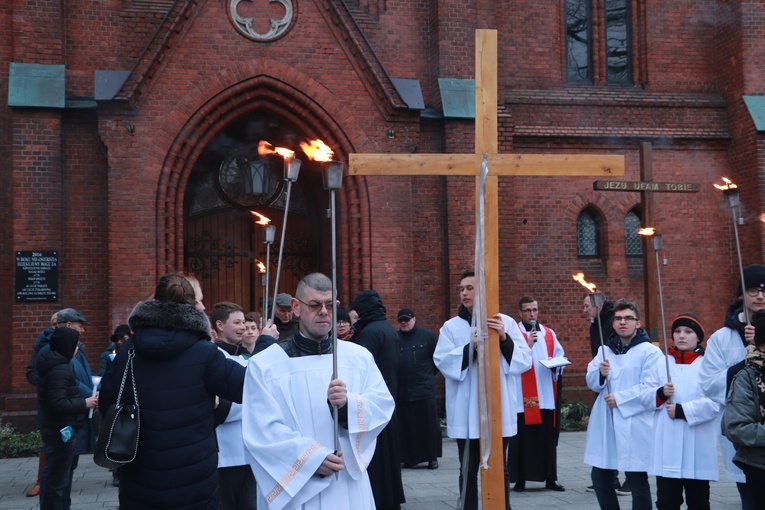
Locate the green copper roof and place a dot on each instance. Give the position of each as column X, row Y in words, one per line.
column 36, row 85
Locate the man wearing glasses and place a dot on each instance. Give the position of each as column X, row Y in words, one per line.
column 418, row 424
column 287, row 423
column 724, row 357
column 620, row 427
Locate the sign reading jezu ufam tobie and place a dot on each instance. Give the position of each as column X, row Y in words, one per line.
column 680, row 187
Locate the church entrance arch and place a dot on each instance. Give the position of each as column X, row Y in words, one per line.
column 224, row 246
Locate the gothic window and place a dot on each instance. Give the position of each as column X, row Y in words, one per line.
column 632, row 240
column 588, row 234
column 578, row 68
column 618, row 69
column 613, row 41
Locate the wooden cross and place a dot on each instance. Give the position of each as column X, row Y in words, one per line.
column 492, row 480
column 647, row 187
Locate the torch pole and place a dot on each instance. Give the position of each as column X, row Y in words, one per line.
column 265, row 287
column 656, row 248
column 740, row 265
column 332, row 177
column 596, row 301
column 291, row 169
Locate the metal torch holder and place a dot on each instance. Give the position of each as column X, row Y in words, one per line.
column 291, row 171
column 270, row 234
column 734, row 204
column 332, row 179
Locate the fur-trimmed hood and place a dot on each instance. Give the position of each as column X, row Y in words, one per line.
column 163, row 330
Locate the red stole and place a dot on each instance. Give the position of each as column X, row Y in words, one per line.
column 532, row 415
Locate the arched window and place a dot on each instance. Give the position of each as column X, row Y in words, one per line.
column 633, row 244
column 588, row 234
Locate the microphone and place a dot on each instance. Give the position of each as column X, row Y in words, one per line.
column 533, row 325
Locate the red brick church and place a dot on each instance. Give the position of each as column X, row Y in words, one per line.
column 129, row 133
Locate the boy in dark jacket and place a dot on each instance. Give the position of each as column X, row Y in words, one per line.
column 62, row 413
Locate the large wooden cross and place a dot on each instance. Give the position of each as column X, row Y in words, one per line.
column 492, row 480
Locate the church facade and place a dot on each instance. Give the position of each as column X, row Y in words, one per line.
column 129, row 132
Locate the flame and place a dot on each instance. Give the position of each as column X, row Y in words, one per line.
column 317, row 150
column 262, row 220
column 728, row 185
column 648, row 231
column 762, row 217
column 580, row 278
column 265, row 148
column 261, row 266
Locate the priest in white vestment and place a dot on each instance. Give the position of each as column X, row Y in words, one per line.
column 287, row 417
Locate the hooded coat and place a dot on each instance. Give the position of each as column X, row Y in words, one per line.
column 374, row 332
column 178, row 372
column 59, row 401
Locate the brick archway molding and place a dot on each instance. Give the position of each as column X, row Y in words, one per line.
column 264, row 85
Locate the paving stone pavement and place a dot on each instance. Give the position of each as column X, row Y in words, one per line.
column 425, row 489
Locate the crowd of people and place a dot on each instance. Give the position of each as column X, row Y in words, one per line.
column 241, row 413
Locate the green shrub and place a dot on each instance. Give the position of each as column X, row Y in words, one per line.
column 14, row 444
column 573, row 416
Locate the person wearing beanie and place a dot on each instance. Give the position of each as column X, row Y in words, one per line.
column 724, row 357
column 419, row 426
column 744, row 410
column 344, row 329
column 62, row 413
column 684, row 440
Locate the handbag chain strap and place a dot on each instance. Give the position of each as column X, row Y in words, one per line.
column 128, row 367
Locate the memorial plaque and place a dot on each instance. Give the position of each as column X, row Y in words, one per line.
column 36, row 276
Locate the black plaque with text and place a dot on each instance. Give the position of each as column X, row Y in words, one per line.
column 36, row 276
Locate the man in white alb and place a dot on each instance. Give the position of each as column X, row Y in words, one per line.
column 287, row 413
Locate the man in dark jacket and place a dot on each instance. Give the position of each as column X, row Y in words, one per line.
column 606, row 312
column 419, row 426
column 375, row 334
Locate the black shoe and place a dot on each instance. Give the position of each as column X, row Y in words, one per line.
column 554, row 486
column 519, row 486
column 408, row 465
column 433, row 464
column 624, row 490
column 590, row 488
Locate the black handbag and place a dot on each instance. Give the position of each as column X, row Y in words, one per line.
column 117, row 443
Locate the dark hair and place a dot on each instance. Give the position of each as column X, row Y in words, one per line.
column 221, row 311
column 173, row 288
column 627, row 304
column 253, row 317
column 316, row 281
column 597, row 293
column 524, row 300
column 466, row 274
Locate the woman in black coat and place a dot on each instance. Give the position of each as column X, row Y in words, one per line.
column 62, row 413
column 178, row 373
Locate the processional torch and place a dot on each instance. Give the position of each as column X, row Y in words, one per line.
column 332, row 177
column 651, row 232
column 291, row 171
column 596, row 301
column 730, row 192
column 268, row 239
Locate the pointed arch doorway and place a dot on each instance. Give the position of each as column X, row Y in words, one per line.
column 224, row 246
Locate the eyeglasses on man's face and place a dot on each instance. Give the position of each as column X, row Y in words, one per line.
column 316, row 306
column 628, row 318
column 754, row 291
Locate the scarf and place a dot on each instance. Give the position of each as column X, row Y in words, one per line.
column 685, row 357
column 755, row 359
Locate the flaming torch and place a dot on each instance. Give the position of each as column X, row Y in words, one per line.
column 651, row 232
column 596, row 300
column 265, row 271
column 291, row 171
column 332, row 178
column 730, row 192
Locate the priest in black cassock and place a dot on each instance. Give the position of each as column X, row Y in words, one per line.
column 374, row 332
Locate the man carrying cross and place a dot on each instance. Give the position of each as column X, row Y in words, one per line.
column 456, row 358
